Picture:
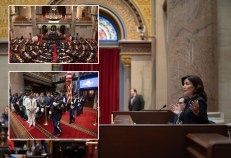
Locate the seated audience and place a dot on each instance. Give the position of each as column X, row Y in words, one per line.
column 74, row 51
column 3, row 138
column 40, row 147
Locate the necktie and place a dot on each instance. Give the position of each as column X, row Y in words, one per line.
column 132, row 100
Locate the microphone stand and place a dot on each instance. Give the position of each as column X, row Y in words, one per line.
column 45, row 112
column 164, row 106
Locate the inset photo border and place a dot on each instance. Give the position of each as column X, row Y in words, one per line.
column 54, row 105
column 62, row 34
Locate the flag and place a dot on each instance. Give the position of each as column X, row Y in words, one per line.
column 69, row 87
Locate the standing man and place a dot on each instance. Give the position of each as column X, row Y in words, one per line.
column 42, row 101
column 81, row 101
column 136, row 101
column 72, row 108
column 64, row 100
column 56, row 114
column 31, row 106
column 77, row 37
column 48, row 102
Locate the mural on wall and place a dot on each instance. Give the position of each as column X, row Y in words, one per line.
column 106, row 30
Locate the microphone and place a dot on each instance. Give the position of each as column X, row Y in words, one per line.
column 164, row 106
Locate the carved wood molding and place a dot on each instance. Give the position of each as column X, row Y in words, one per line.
column 134, row 48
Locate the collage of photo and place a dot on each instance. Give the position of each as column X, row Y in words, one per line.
column 52, row 113
column 115, row 78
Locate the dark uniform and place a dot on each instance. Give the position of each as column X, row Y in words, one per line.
column 72, row 109
column 81, row 102
column 57, row 115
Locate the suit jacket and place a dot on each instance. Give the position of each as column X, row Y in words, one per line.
column 188, row 117
column 137, row 104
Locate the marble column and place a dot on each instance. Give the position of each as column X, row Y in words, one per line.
column 39, row 10
column 94, row 21
column 191, row 39
column 136, row 57
column 127, row 81
column 11, row 24
column 73, row 22
column 33, row 19
column 160, row 55
column 16, row 82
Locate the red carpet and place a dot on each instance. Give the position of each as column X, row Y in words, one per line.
column 81, row 120
column 12, row 133
column 55, row 55
column 68, row 39
column 39, row 38
column 81, row 129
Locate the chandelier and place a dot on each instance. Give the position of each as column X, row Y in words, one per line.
column 53, row 15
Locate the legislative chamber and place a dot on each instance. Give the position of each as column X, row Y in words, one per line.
column 53, row 34
column 144, row 44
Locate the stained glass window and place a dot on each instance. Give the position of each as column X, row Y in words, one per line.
column 107, row 31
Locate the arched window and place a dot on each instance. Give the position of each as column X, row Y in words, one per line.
column 107, row 32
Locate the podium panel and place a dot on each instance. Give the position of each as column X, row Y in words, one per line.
column 148, row 117
column 123, row 119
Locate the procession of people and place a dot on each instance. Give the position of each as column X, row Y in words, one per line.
column 34, row 106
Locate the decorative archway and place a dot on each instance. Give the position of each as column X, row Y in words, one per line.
column 126, row 13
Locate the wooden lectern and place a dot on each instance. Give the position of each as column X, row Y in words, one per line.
column 147, row 117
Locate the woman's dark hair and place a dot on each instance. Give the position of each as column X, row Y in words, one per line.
column 197, row 83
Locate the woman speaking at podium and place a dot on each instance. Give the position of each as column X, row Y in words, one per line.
column 195, row 111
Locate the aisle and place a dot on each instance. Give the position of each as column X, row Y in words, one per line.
column 81, row 129
column 55, row 54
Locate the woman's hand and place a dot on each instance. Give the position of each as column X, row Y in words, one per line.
column 194, row 107
column 175, row 109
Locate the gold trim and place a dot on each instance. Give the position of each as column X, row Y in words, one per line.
column 116, row 19
column 126, row 60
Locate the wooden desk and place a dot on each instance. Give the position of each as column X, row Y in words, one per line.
column 123, row 119
column 160, row 141
column 53, row 38
column 208, row 145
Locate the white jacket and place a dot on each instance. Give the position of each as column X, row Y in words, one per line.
column 31, row 104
